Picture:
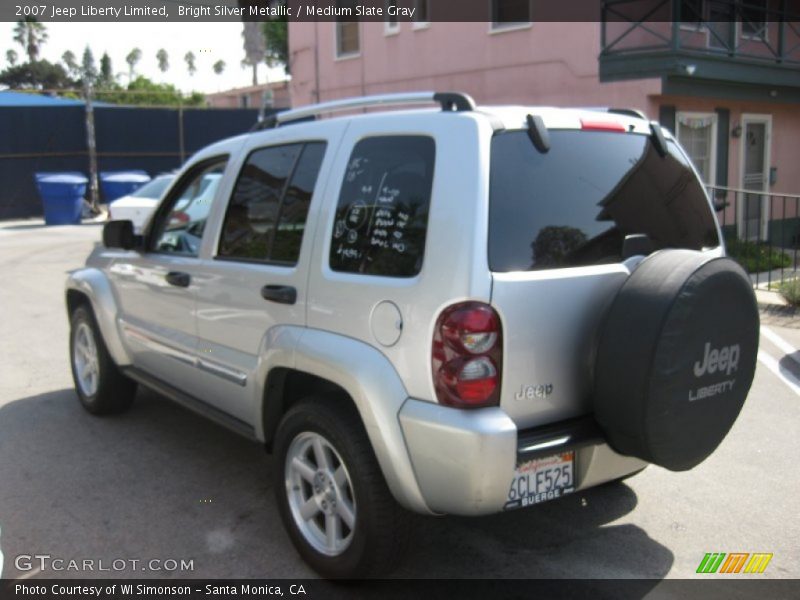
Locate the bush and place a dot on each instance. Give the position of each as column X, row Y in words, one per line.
column 756, row 256
column 790, row 290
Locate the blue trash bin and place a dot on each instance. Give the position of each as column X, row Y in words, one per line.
column 62, row 196
column 115, row 184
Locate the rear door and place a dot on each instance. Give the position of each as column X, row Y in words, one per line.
column 255, row 276
column 557, row 222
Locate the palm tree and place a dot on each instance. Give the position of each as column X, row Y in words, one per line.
column 255, row 47
column 190, row 66
column 219, row 67
column 163, row 60
column 134, row 56
column 31, row 35
column 11, row 57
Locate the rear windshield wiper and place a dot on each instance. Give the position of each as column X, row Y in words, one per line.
column 538, row 133
column 658, row 139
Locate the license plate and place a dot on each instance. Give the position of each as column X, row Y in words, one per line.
column 540, row 479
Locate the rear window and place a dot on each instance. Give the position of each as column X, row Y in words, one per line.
column 574, row 205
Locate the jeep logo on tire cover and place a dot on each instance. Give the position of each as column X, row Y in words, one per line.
column 723, row 359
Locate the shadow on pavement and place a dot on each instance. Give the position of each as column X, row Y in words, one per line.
column 569, row 538
column 160, row 482
column 790, row 365
column 156, row 482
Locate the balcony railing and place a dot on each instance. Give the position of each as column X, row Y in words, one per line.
column 761, row 231
column 757, row 31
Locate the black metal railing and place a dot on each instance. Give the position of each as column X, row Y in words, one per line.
column 761, row 231
column 760, row 31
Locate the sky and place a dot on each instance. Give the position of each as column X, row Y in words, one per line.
column 210, row 42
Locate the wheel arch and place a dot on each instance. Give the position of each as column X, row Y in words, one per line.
column 91, row 287
column 343, row 369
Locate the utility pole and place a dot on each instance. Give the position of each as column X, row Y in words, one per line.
column 91, row 145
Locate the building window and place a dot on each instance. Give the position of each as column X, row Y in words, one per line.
column 244, row 101
column 510, row 13
column 421, row 13
column 391, row 25
column 348, row 38
column 697, row 133
column 754, row 19
column 691, row 13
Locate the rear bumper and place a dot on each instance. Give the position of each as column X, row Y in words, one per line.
column 464, row 460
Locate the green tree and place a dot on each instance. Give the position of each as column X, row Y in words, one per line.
column 31, row 35
column 276, row 35
column 190, row 63
column 134, row 56
column 88, row 66
column 163, row 60
column 37, row 75
column 12, row 57
column 219, row 67
column 142, row 91
column 106, row 71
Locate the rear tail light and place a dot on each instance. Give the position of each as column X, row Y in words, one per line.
column 467, row 356
column 602, row 125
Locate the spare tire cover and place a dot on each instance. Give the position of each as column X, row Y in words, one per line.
column 676, row 356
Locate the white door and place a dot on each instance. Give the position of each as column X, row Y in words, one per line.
column 753, row 209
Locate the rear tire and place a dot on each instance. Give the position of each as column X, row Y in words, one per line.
column 333, row 499
column 100, row 385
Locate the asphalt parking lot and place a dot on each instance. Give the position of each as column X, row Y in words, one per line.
column 162, row 483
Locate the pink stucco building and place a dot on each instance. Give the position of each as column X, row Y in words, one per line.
column 730, row 90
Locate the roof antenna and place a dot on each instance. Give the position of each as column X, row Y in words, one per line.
column 538, row 133
column 659, row 141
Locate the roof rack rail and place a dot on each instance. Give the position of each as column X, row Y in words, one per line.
column 449, row 101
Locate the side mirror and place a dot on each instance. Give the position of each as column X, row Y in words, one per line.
column 119, row 234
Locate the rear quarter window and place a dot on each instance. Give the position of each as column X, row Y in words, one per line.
column 382, row 213
column 574, row 205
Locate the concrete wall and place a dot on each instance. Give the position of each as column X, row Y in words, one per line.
column 234, row 98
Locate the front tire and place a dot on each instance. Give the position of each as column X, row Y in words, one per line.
column 333, row 499
column 101, row 387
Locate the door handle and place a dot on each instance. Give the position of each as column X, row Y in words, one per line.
column 282, row 294
column 178, row 279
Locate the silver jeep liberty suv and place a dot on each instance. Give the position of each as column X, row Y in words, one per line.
column 454, row 310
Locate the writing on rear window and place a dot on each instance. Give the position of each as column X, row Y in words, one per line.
column 382, row 214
